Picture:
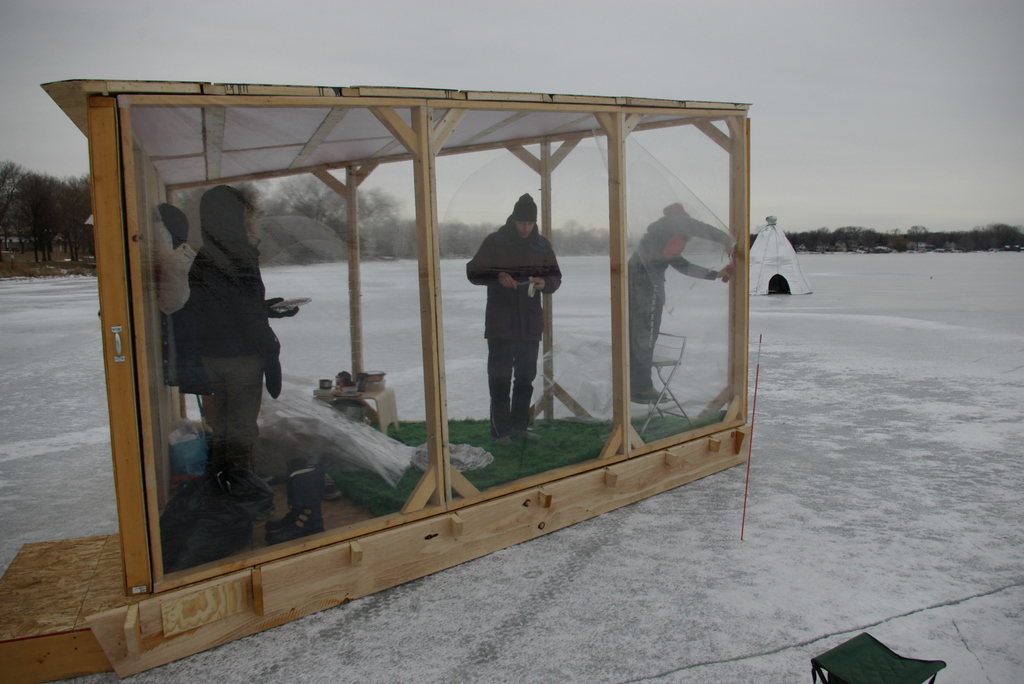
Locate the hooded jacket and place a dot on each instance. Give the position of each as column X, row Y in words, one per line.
column 227, row 292
column 511, row 313
column 660, row 247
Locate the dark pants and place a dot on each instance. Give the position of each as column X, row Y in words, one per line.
column 646, row 301
column 505, row 358
column 233, row 409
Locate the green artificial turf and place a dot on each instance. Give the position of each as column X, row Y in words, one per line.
column 563, row 442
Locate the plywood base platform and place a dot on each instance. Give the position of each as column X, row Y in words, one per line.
column 45, row 612
column 45, row 595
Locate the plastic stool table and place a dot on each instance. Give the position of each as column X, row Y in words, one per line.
column 384, row 408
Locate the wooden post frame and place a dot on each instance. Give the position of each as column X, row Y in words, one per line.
column 446, row 519
column 118, row 352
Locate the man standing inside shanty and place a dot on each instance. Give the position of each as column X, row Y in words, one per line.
column 516, row 264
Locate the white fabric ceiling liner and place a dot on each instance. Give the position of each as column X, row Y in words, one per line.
column 196, row 144
column 194, row 133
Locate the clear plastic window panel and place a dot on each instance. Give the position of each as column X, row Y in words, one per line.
column 679, row 270
column 527, row 313
column 284, row 354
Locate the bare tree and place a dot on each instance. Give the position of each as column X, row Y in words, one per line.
column 73, row 206
column 307, row 196
column 10, row 177
column 35, row 212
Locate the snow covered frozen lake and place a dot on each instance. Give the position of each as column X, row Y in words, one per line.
column 886, row 495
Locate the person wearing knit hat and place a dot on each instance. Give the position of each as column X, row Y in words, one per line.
column 516, row 264
column 660, row 248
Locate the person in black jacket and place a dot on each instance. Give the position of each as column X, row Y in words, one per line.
column 515, row 263
column 661, row 247
column 234, row 339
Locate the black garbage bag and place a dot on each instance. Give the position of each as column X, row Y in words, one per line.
column 212, row 517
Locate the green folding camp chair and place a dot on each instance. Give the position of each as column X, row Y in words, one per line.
column 866, row 660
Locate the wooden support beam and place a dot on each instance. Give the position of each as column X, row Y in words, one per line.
column 544, row 496
column 738, row 436
column 635, row 440
column 461, row 485
column 496, row 127
column 739, row 289
column 428, row 245
column 132, row 632
column 213, row 140
column 632, row 121
column 714, row 444
column 547, row 401
column 324, row 577
column 615, row 128
column 353, row 245
column 362, row 171
column 457, row 525
column 525, row 156
column 611, row 478
column 146, row 329
column 333, row 118
column 709, row 129
column 446, row 125
column 717, row 403
column 422, row 493
column 331, row 181
column 355, row 552
column 52, row 657
column 563, row 151
column 611, row 447
column 118, row 330
column 735, row 407
column 570, row 403
column 258, row 605
column 673, row 458
column 397, row 127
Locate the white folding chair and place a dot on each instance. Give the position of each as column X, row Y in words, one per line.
column 668, row 355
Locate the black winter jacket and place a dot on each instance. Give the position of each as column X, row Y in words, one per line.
column 511, row 313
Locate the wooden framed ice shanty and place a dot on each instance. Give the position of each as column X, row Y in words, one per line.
column 385, row 276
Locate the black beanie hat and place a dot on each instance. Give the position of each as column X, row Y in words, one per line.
column 525, row 210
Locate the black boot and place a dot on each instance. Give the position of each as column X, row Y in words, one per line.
column 305, row 489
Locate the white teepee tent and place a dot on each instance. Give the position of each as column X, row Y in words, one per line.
column 774, row 268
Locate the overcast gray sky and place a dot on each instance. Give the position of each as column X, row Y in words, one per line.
column 876, row 114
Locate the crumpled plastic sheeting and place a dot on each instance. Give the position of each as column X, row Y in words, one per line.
column 297, row 425
column 463, row 457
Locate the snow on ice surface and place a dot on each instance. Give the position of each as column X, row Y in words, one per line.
column 885, row 496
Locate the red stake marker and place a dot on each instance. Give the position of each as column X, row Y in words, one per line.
column 750, row 441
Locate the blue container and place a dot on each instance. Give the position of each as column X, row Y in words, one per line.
column 188, row 457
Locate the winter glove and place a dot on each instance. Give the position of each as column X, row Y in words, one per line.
column 272, row 371
column 272, row 365
column 279, row 313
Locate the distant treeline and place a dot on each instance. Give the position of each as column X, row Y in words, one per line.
column 43, row 214
column 301, row 220
column 995, row 236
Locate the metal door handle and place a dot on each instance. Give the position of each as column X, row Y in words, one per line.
column 118, row 356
